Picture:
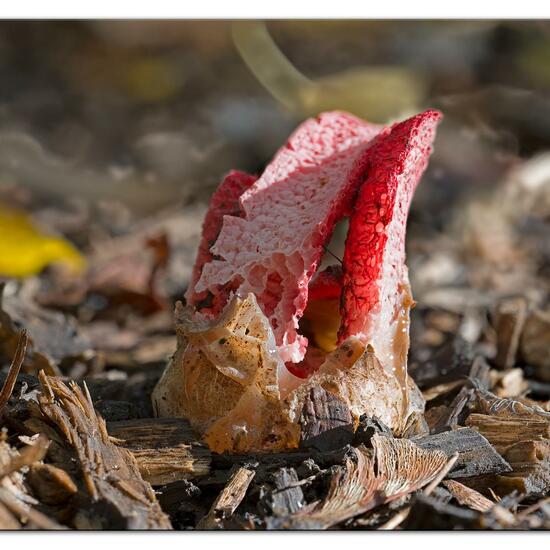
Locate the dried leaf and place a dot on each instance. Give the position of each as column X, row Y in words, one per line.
column 52, row 336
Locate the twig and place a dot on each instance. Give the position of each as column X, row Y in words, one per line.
column 533, row 508
column 14, row 369
column 396, row 520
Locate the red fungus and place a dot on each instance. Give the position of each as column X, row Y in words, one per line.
column 267, row 236
column 240, row 373
column 289, row 214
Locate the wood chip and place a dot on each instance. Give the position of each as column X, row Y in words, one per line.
column 25, row 513
column 441, row 389
column 166, row 449
column 228, row 500
column 530, row 461
column 25, row 457
column 479, row 374
column 468, row 497
column 51, row 485
column 428, row 513
column 287, row 496
column 503, row 432
column 476, row 456
column 509, row 322
column 534, row 343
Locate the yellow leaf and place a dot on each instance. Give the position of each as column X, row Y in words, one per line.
column 25, row 251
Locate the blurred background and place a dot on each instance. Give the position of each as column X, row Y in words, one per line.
column 113, row 135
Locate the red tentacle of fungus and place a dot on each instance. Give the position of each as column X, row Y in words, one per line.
column 224, row 202
column 376, row 295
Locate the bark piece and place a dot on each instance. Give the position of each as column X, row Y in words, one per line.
column 286, row 497
column 273, row 461
column 114, row 410
column 165, row 449
column 476, row 456
column 119, row 498
column 228, row 500
column 16, row 504
column 530, row 461
column 429, row 513
column 479, row 375
column 326, row 422
column 24, row 457
column 434, row 392
column 489, row 404
column 504, row 432
column 535, row 340
column 451, row 362
column 509, row 322
column 26, row 514
column 510, row 383
column 368, row 427
column 184, row 502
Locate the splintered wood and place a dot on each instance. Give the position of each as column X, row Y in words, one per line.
column 165, row 449
column 118, row 496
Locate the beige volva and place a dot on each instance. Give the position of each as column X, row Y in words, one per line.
column 228, row 380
